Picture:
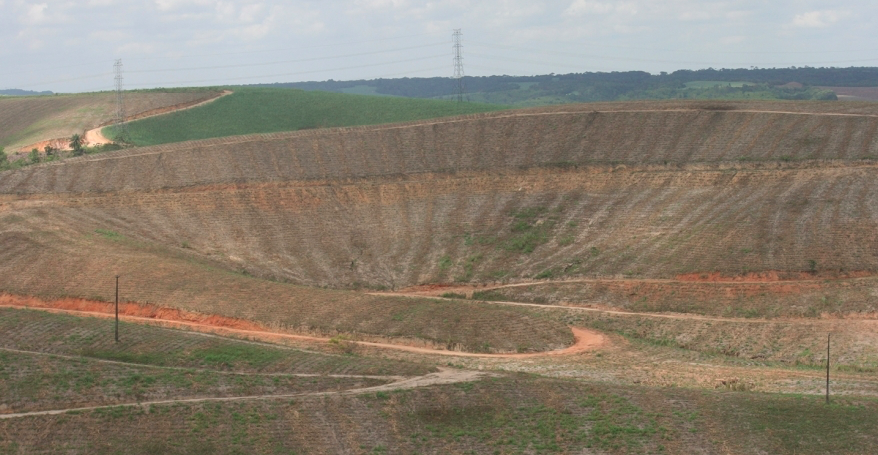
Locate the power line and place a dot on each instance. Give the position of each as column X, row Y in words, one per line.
column 314, row 59
column 120, row 111
column 287, row 49
column 297, row 73
column 614, row 58
column 686, row 51
column 248, row 52
column 56, row 81
column 460, row 88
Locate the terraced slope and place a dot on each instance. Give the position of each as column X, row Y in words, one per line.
column 26, row 122
column 637, row 190
column 641, row 134
column 63, row 254
column 537, row 193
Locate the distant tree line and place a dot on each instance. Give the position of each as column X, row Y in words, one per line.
column 610, row 86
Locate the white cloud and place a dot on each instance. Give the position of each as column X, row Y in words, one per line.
column 225, row 11
column 736, row 15
column 580, row 7
column 249, row 13
column 583, row 7
column 737, row 39
column 136, row 49
column 170, row 5
column 376, row 4
column 36, row 14
column 818, row 19
column 108, row 35
column 694, row 16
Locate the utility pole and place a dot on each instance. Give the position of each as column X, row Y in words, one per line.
column 828, row 335
column 121, row 126
column 460, row 90
column 117, row 308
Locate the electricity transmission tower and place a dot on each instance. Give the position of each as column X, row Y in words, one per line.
column 460, row 90
column 121, row 126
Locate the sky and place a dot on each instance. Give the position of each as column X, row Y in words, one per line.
column 71, row 46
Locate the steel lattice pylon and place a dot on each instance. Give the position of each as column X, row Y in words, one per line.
column 460, row 90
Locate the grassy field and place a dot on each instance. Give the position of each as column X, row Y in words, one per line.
column 517, row 414
column 50, row 361
column 92, row 338
column 269, row 110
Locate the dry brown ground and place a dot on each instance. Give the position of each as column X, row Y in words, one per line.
column 855, row 93
column 639, row 191
column 584, row 340
column 34, row 122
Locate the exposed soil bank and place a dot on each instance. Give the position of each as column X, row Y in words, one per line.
column 772, row 275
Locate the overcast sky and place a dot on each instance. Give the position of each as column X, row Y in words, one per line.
column 70, row 46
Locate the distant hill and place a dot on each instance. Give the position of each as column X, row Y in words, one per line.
column 268, row 110
column 754, row 83
column 20, row 92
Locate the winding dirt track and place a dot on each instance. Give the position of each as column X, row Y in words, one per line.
column 207, row 370
column 95, row 137
column 444, row 376
column 584, row 340
column 468, row 290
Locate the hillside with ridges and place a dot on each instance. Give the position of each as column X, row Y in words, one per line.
column 546, row 193
column 635, row 134
column 60, row 253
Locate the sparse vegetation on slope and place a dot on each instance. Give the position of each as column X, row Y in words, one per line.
column 807, row 295
column 269, row 110
column 81, row 264
column 92, row 338
column 673, row 189
column 26, row 121
column 511, row 415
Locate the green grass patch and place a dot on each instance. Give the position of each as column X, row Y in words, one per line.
column 151, row 358
column 268, row 110
column 228, row 355
column 112, row 235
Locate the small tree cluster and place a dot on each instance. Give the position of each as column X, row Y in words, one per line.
column 76, row 145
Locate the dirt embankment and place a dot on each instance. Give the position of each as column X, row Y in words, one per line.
column 585, row 340
column 771, row 276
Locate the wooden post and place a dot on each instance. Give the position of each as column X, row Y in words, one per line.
column 117, row 308
column 828, row 335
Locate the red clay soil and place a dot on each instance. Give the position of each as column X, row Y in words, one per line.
column 134, row 310
column 585, row 340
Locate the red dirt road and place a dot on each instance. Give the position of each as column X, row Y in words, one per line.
column 585, row 340
column 94, row 136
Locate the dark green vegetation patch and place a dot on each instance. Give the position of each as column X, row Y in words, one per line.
column 269, row 110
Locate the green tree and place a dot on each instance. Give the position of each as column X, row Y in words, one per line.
column 4, row 160
column 34, row 156
column 76, row 145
